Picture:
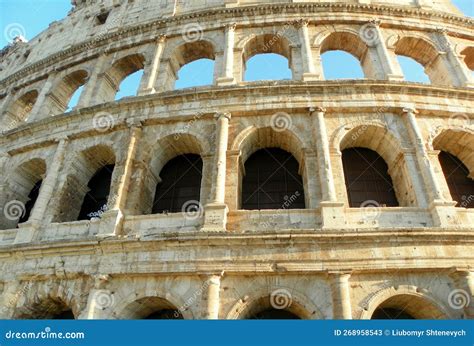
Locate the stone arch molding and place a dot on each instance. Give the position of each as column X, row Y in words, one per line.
column 297, row 303
column 320, row 37
column 288, row 35
column 372, row 302
column 437, row 131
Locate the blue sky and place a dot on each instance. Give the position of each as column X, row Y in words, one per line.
column 35, row 15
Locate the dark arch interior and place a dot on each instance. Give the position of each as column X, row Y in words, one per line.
column 273, row 314
column 95, row 201
column 165, row 314
column 391, row 314
column 460, row 185
column 272, row 181
column 367, row 178
column 32, row 197
column 180, row 182
column 65, row 315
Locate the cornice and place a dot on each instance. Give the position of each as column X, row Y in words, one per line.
column 231, row 13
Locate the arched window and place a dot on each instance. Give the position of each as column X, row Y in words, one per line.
column 95, row 201
column 180, row 183
column 413, row 70
column 165, row 314
column 407, row 306
column 129, row 85
column 19, row 111
column 273, row 314
column 50, row 309
column 391, row 314
column 32, row 197
column 74, row 99
column 457, row 177
column 272, row 181
column 65, row 96
column 367, row 178
column 197, row 73
column 468, row 54
column 267, row 57
column 151, row 308
column 333, row 61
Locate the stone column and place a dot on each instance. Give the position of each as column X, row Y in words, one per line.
column 390, row 71
column 462, row 297
column 4, row 158
column 228, row 70
column 233, row 179
column 459, row 68
column 341, row 297
column 91, row 86
column 113, row 218
column 331, row 209
column 440, row 208
column 147, row 84
column 309, row 70
column 213, row 297
column 38, row 112
column 215, row 216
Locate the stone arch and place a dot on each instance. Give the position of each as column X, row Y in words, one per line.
column 265, row 43
column 458, row 142
column 377, row 137
column 19, row 110
column 74, row 185
column 349, row 41
column 20, row 182
column 427, row 54
column 261, row 299
column 183, row 54
column 468, row 57
column 418, row 303
column 119, row 70
column 59, row 97
column 168, row 147
column 140, row 305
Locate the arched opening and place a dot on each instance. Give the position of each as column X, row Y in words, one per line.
column 60, row 98
column 407, row 306
column 272, row 181
column 180, row 183
column 413, row 71
column 151, row 308
column 202, row 53
column 273, row 314
column 197, row 73
column 22, row 189
column 95, row 200
column 468, row 54
column 19, row 111
column 425, row 54
column 85, row 190
column 74, row 99
column 341, row 65
column 460, row 184
column 276, row 306
column 267, row 57
column 338, row 43
column 367, row 178
column 115, row 83
column 49, row 309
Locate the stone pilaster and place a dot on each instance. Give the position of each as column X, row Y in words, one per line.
column 227, row 77
column 341, row 297
column 309, row 70
column 212, row 300
column 39, row 110
column 215, row 216
column 91, row 87
column 150, row 73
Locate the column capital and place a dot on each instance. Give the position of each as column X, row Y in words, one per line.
column 161, row 38
column 221, row 115
column 231, row 26
column 133, row 123
column 61, row 138
column 317, row 110
column 409, row 110
column 341, row 276
column 374, row 22
column 300, row 23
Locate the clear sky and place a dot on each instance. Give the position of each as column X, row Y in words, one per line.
column 33, row 16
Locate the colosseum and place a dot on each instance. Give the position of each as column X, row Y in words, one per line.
column 306, row 198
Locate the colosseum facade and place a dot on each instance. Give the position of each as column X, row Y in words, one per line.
column 188, row 228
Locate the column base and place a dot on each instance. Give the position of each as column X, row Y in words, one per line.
column 443, row 213
column 332, row 215
column 98, row 302
column 215, row 217
column 111, row 224
column 145, row 92
column 310, row 77
column 27, row 232
column 395, row 77
column 225, row 81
